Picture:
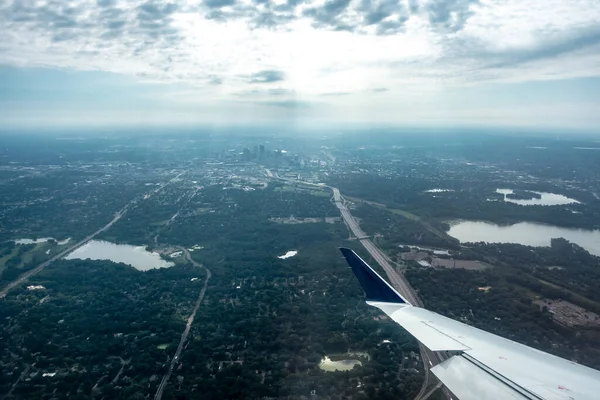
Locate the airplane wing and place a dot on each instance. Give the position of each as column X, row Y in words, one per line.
column 482, row 365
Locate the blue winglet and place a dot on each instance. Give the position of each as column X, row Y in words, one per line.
column 375, row 287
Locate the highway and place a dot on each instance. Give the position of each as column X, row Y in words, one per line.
column 77, row 245
column 63, row 253
column 186, row 332
column 397, row 280
column 190, row 321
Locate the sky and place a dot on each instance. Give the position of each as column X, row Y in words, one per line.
column 527, row 63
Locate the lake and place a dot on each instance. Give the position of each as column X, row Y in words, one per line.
column 136, row 256
column 548, row 199
column 343, row 365
column 526, row 233
column 439, row 190
column 42, row 240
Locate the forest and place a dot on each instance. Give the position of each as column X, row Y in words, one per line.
column 506, row 309
column 96, row 329
column 468, row 191
column 518, row 276
column 562, row 270
column 89, row 319
column 18, row 258
column 68, row 203
column 268, row 321
column 263, row 328
column 398, row 229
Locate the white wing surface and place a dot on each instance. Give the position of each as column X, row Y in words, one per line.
column 481, row 365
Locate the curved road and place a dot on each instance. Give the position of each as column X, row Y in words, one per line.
column 186, row 332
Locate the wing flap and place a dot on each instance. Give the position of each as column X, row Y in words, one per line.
column 433, row 339
column 469, row 382
column 424, row 330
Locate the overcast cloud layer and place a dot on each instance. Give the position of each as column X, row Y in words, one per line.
column 289, row 53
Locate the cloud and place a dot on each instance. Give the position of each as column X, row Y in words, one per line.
column 450, row 14
column 280, row 92
column 336, row 94
column 548, row 48
column 271, row 18
column 215, row 80
column 327, row 14
column 290, row 104
column 155, row 10
column 267, row 76
column 154, row 20
column 379, row 17
column 106, row 3
column 267, row 93
column 218, row 3
column 376, row 11
column 228, row 47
